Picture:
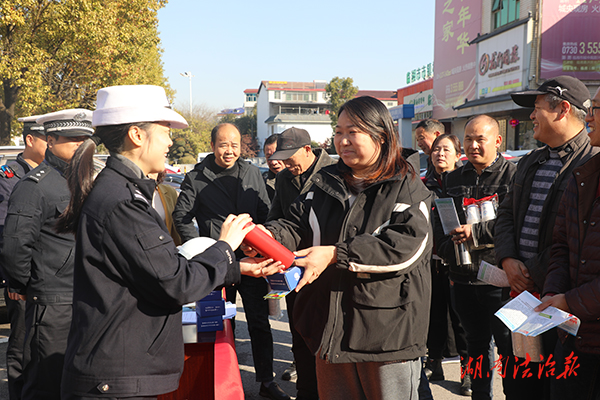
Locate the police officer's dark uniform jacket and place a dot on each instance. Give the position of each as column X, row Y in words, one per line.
column 125, row 257
column 461, row 183
column 511, row 213
column 38, row 262
column 37, row 259
column 203, row 197
column 288, row 186
column 8, row 179
column 372, row 305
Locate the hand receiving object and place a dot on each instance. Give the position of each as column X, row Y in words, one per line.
column 269, row 247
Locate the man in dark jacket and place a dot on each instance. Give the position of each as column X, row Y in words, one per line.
column 523, row 235
column 486, row 173
column 35, row 148
column 302, row 163
column 220, row 185
column 275, row 166
column 37, row 260
column 573, row 275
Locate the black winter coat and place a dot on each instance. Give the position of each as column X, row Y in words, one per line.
column 288, row 186
column 373, row 304
column 19, row 168
column 207, row 200
column 464, row 182
column 37, row 260
column 511, row 214
column 126, row 338
column 574, row 267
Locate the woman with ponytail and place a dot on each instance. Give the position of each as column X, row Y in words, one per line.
column 125, row 339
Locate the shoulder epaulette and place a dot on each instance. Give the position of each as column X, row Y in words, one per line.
column 39, row 174
column 137, row 194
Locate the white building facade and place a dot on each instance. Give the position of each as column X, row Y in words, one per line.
column 281, row 105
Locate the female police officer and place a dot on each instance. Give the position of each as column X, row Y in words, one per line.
column 126, row 339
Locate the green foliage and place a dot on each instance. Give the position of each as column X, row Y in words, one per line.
column 196, row 138
column 57, row 53
column 339, row 91
column 247, row 124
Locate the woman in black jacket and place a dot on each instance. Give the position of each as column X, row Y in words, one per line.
column 446, row 335
column 363, row 302
column 126, row 339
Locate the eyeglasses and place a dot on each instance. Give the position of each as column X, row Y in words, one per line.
column 592, row 111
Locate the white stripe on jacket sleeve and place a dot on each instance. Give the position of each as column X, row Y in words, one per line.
column 356, row 267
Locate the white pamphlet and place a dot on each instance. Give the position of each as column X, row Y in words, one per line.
column 492, row 275
column 518, row 316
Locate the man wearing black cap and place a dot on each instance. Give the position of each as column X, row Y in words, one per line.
column 301, row 162
column 38, row 261
column 35, row 148
column 526, row 217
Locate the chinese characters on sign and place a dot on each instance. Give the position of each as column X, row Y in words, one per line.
column 500, row 63
column 425, row 72
column 457, row 23
column 570, row 41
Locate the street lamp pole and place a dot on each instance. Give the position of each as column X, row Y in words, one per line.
column 188, row 74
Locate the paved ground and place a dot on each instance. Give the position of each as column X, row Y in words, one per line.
column 444, row 390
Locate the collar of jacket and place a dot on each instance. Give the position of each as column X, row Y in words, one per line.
column 204, row 167
column 55, row 162
column 24, row 164
column 581, row 139
column 495, row 167
column 331, row 182
column 322, row 159
column 587, row 171
column 146, row 186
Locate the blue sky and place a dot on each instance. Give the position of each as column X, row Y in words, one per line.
column 233, row 45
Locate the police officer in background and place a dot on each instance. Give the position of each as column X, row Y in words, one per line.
column 38, row 261
column 35, row 147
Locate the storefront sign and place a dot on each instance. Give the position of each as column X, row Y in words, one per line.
column 425, row 72
column 501, row 63
column 423, row 101
column 570, row 39
column 456, row 23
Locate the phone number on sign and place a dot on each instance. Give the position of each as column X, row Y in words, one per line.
column 581, row 48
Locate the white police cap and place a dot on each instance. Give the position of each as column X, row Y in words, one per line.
column 72, row 122
column 128, row 104
column 31, row 126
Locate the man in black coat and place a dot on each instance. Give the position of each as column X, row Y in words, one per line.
column 485, row 174
column 220, row 185
column 35, row 148
column 37, row 260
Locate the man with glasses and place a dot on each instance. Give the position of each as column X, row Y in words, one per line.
column 35, row 148
column 526, row 218
column 573, row 271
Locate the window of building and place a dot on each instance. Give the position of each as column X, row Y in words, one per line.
column 505, row 11
column 300, row 96
column 277, row 95
column 251, row 97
